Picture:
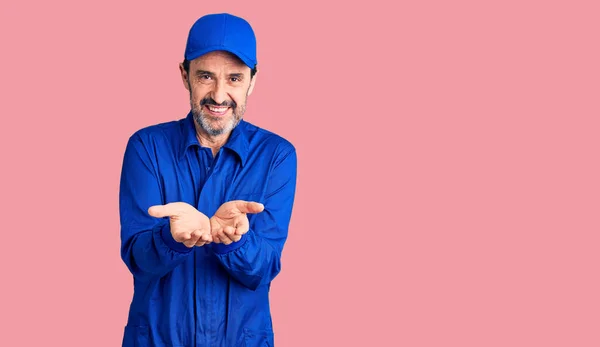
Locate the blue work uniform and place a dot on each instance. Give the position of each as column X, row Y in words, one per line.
column 213, row 295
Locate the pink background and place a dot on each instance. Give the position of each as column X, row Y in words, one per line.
column 448, row 188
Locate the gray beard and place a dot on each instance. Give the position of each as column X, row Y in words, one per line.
column 204, row 120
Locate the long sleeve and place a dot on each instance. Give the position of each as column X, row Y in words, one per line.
column 256, row 258
column 147, row 246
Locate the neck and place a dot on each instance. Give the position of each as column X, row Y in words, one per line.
column 213, row 142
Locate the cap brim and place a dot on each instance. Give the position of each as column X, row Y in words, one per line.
column 198, row 53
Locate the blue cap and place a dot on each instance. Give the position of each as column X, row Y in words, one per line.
column 222, row 32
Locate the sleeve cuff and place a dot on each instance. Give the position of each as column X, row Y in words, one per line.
column 221, row 248
column 167, row 237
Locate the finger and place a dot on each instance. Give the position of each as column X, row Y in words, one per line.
column 207, row 237
column 195, row 236
column 201, row 241
column 204, row 239
column 231, row 234
column 189, row 243
column 242, row 226
column 229, row 231
column 160, row 211
column 224, row 237
column 224, row 240
column 241, row 231
column 215, row 236
column 249, row 206
column 187, row 239
column 181, row 237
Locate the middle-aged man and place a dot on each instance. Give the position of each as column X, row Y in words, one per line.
column 205, row 204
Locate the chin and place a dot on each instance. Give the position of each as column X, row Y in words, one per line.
column 219, row 128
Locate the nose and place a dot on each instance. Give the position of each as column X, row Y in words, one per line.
column 219, row 92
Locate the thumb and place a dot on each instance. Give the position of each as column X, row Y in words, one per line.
column 249, row 206
column 160, row 211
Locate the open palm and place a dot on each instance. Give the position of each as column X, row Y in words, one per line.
column 230, row 221
column 188, row 225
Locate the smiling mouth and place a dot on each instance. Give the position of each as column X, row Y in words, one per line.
column 216, row 110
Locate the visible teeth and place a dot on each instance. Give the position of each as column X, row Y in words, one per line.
column 217, row 109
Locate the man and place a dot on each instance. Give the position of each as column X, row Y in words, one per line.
column 205, row 203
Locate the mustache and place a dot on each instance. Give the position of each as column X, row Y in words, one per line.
column 210, row 101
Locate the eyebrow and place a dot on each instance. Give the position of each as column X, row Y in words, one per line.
column 204, row 72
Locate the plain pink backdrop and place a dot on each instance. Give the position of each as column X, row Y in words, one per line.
column 448, row 188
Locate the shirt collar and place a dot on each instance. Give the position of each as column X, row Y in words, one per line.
column 237, row 142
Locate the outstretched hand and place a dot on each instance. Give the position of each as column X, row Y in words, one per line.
column 230, row 221
column 188, row 225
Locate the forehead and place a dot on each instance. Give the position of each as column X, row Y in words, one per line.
column 218, row 60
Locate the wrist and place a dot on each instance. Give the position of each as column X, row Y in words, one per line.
column 167, row 237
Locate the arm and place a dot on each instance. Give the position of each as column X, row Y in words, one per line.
column 255, row 259
column 147, row 245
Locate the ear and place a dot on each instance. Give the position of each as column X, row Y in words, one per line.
column 252, row 82
column 184, row 76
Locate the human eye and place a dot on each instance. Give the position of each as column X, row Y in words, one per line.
column 235, row 79
column 205, row 78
